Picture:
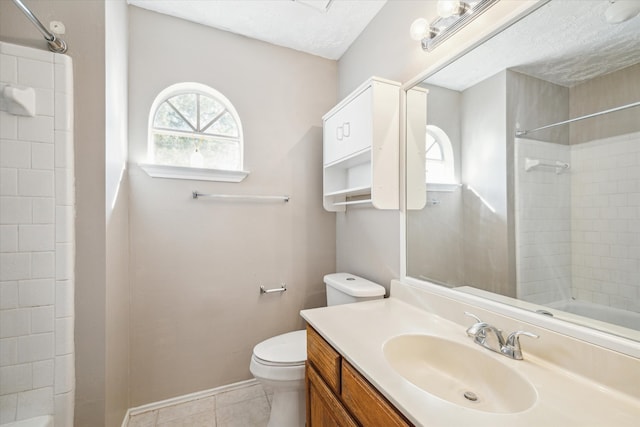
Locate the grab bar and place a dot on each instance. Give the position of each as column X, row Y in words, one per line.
column 196, row 194
column 282, row 288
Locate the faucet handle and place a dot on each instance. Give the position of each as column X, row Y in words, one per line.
column 512, row 346
column 473, row 315
column 513, row 338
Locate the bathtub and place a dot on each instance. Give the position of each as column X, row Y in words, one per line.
column 43, row 421
column 603, row 313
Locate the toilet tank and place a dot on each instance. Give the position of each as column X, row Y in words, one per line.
column 345, row 288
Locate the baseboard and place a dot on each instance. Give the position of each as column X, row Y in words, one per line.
column 185, row 398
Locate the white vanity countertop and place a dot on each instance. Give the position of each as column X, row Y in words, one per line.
column 359, row 331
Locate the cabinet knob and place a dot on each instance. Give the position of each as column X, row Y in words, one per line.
column 339, row 133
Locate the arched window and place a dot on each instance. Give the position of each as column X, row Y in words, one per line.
column 194, row 126
column 439, row 159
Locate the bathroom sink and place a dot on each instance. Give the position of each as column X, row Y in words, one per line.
column 459, row 374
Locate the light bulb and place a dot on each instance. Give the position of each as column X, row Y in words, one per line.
column 446, row 8
column 419, row 29
column 621, row 10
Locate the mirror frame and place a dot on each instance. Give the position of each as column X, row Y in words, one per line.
column 511, row 308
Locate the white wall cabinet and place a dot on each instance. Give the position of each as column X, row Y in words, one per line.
column 361, row 148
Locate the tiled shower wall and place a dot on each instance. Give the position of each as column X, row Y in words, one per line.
column 37, row 240
column 578, row 232
column 543, row 225
column 605, row 193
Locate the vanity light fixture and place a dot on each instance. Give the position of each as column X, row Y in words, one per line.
column 453, row 15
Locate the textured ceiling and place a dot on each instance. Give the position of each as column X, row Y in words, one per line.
column 565, row 42
column 304, row 25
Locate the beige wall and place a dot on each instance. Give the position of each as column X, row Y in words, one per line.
column 84, row 22
column 196, row 265
column 117, row 214
column 601, row 93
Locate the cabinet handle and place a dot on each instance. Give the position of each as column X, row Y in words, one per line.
column 339, row 133
column 346, row 129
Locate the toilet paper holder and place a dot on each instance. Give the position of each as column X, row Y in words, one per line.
column 282, row 288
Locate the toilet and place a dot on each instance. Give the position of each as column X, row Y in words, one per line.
column 278, row 363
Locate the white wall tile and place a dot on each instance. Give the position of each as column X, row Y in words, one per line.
column 8, row 351
column 65, row 216
column 42, row 156
column 63, row 111
column 64, row 187
column 8, row 69
column 15, row 154
column 64, row 298
column 63, row 149
column 8, row 407
column 8, row 126
column 43, row 210
column 36, row 292
column 14, row 323
column 36, row 237
column 64, row 336
column 43, row 373
column 8, row 182
column 42, row 320
column 36, row 129
column 45, row 105
column 64, row 261
column 8, row 295
column 26, row 52
column 43, row 265
column 34, row 403
column 16, row 378
column 37, row 74
column 8, row 238
column 64, row 373
column 64, row 409
column 33, row 348
column 36, row 183
column 62, row 79
column 15, row 266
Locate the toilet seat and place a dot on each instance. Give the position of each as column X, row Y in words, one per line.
column 288, row 349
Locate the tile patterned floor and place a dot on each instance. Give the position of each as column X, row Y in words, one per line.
column 244, row 407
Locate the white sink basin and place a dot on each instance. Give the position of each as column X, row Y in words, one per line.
column 459, row 374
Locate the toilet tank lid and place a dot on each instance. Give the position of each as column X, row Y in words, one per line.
column 353, row 285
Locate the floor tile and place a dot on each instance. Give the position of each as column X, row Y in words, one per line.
column 187, row 409
column 145, row 419
column 203, row 419
column 249, row 413
column 239, row 395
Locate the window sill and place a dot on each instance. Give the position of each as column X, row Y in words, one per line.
column 195, row 174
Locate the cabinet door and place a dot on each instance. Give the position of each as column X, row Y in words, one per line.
column 368, row 406
column 349, row 130
column 323, row 407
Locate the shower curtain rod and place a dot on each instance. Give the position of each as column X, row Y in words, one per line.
column 588, row 116
column 55, row 44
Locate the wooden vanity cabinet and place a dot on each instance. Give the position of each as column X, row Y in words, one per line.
column 337, row 395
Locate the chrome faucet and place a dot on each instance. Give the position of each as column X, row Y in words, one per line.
column 490, row 337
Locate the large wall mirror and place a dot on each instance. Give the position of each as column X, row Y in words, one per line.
column 548, row 220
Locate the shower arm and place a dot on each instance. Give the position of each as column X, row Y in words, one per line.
column 55, row 44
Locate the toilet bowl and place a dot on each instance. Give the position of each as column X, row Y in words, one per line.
column 278, row 363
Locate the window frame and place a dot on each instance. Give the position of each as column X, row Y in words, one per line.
column 156, row 170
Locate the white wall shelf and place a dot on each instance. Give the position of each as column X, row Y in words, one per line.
column 361, row 148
